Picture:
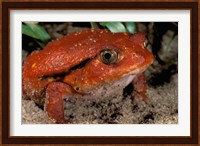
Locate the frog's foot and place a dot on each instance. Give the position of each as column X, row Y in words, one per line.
column 140, row 86
column 55, row 93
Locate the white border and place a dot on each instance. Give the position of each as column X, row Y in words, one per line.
column 180, row 16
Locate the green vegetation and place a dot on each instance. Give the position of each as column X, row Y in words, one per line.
column 129, row 27
column 37, row 32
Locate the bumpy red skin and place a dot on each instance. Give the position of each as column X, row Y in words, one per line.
column 62, row 54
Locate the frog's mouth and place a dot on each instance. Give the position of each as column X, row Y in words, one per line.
column 134, row 72
column 138, row 71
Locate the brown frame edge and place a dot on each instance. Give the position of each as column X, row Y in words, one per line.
column 6, row 139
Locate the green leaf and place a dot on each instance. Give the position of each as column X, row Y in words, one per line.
column 103, row 23
column 114, row 26
column 27, row 31
column 35, row 31
column 131, row 27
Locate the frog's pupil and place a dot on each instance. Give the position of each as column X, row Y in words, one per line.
column 107, row 56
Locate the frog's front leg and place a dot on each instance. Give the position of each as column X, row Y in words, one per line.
column 140, row 87
column 55, row 93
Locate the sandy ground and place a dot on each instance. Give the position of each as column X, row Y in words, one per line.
column 161, row 108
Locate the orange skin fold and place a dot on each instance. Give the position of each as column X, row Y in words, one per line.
column 50, row 75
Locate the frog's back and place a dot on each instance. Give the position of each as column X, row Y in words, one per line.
column 62, row 54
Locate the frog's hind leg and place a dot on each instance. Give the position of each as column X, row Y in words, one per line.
column 55, row 93
column 140, row 87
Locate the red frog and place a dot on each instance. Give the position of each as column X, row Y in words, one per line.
column 87, row 64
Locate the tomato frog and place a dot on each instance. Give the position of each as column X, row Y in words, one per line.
column 88, row 64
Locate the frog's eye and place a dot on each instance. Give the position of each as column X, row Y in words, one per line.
column 109, row 56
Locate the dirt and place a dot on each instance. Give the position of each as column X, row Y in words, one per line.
column 162, row 92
